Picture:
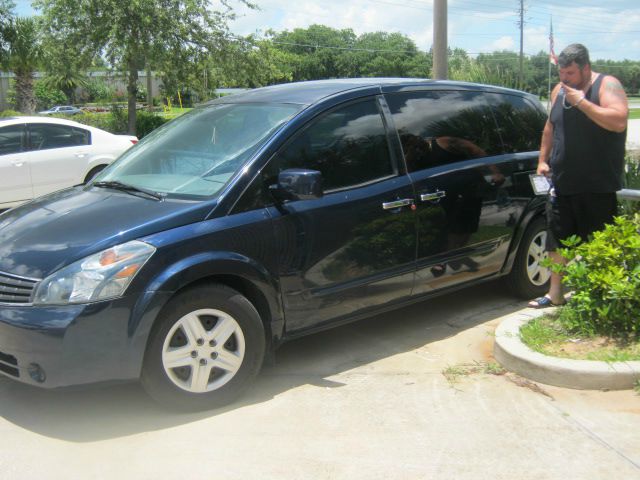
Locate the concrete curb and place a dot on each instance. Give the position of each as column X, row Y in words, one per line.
column 515, row 356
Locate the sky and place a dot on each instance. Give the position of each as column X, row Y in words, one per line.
column 609, row 28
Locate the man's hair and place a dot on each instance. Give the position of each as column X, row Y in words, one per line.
column 576, row 52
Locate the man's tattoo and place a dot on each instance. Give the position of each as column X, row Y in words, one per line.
column 614, row 87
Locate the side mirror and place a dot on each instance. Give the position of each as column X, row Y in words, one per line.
column 298, row 184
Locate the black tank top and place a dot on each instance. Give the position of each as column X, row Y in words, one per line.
column 585, row 157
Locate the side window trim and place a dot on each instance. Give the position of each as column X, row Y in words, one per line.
column 393, row 137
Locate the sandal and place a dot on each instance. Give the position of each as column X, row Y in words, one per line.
column 544, row 302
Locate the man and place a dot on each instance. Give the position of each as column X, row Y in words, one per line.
column 582, row 150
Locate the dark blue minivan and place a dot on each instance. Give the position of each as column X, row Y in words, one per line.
column 264, row 216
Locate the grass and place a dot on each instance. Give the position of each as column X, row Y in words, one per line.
column 634, row 113
column 547, row 336
column 453, row 373
column 174, row 112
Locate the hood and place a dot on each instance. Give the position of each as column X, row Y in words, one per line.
column 42, row 236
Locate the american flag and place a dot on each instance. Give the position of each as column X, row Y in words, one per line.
column 552, row 55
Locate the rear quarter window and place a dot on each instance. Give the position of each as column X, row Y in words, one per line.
column 520, row 122
column 46, row 136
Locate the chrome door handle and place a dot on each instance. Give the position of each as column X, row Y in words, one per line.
column 17, row 163
column 433, row 196
column 405, row 202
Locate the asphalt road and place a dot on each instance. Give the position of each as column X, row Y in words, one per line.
column 364, row 401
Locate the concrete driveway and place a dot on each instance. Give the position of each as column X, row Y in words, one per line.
column 364, row 401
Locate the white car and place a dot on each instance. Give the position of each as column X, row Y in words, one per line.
column 41, row 155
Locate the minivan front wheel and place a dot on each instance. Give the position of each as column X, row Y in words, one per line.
column 528, row 278
column 207, row 346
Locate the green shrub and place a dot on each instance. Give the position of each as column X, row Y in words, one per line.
column 119, row 119
column 604, row 274
column 632, row 181
column 141, row 93
column 99, row 120
column 114, row 121
column 146, row 122
column 47, row 97
column 9, row 113
column 98, row 90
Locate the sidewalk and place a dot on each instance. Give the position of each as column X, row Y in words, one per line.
column 369, row 400
column 633, row 135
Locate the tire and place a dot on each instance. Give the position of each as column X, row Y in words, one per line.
column 93, row 172
column 528, row 279
column 205, row 348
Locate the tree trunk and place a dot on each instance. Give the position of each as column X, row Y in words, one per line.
column 25, row 99
column 149, row 89
column 70, row 94
column 132, row 90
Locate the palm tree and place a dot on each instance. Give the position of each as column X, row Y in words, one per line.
column 66, row 78
column 24, row 54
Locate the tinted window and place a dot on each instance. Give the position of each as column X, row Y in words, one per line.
column 438, row 128
column 11, row 139
column 46, row 135
column 348, row 145
column 520, row 124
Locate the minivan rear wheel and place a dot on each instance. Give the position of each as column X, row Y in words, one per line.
column 206, row 347
column 528, row 278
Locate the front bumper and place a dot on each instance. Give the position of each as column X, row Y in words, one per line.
column 69, row 345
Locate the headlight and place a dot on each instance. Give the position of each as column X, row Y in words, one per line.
column 103, row 275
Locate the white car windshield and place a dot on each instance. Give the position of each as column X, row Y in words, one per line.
column 197, row 154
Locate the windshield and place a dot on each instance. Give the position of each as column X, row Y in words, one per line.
column 198, row 153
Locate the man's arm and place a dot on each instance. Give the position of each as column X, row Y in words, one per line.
column 547, row 140
column 613, row 110
column 545, row 150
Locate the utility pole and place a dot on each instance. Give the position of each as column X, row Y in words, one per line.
column 440, row 57
column 521, row 25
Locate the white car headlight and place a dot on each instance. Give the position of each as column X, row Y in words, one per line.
column 100, row 276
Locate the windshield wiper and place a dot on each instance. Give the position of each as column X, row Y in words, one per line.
column 117, row 185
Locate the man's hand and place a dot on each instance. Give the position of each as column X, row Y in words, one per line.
column 573, row 95
column 543, row 169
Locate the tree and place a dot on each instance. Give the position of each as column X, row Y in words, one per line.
column 322, row 52
column 6, row 14
column 23, row 57
column 382, row 54
column 139, row 34
column 315, row 50
column 251, row 63
column 65, row 64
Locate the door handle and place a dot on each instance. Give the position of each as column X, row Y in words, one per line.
column 17, row 163
column 433, row 196
column 405, row 202
column 81, row 155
